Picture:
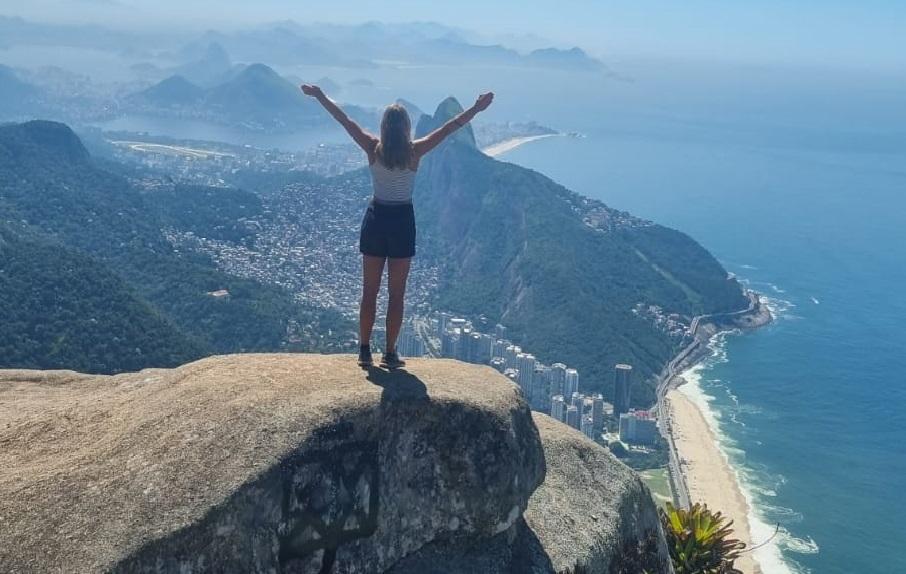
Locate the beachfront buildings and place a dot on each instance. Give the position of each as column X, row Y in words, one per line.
column 552, row 389
column 638, row 427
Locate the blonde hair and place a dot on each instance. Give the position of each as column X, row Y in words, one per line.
column 394, row 151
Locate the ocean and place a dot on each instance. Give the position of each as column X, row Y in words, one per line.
column 811, row 411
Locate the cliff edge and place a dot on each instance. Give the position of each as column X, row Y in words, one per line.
column 303, row 463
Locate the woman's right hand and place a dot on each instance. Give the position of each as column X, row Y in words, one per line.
column 312, row 90
column 483, row 101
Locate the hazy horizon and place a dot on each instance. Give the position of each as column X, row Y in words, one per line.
column 834, row 34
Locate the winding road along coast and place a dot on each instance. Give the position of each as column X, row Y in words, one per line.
column 703, row 328
column 698, row 469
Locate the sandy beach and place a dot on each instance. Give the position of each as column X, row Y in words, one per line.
column 708, row 476
column 511, row 144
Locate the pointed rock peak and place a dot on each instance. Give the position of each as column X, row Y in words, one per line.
column 446, row 111
column 215, row 51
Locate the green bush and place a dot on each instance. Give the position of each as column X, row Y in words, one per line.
column 700, row 541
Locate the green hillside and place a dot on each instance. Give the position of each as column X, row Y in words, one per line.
column 63, row 310
column 50, row 187
column 561, row 271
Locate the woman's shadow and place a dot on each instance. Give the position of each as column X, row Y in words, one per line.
column 399, row 385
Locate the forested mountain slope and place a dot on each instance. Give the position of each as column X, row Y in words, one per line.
column 50, row 189
column 563, row 272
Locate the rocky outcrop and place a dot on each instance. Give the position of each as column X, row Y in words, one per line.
column 301, row 463
column 592, row 510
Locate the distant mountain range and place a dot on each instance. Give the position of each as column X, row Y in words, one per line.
column 366, row 46
column 254, row 96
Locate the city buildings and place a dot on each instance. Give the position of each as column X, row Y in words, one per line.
column 597, row 412
column 558, row 408
column 409, row 343
column 622, row 381
column 557, row 375
column 638, row 427
column 550, row 389
column 571, row 382
column 588, row 427
column 572, row 416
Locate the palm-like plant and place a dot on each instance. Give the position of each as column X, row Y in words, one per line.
column 699, row 540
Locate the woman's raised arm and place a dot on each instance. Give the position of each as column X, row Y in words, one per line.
column 432, row 140
column 365, row 140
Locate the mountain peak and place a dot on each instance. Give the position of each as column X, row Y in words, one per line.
column 258, row 70
column 42, row 136
column 173, row 90
column 448, row 109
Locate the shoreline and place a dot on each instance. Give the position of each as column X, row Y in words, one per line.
column 699, row 469
column 502, row 147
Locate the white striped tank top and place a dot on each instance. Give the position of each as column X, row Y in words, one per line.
column 392, row 185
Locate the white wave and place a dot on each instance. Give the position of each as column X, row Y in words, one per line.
column 752, row 484
column 747, row 266
column 798, row 545
column 781, row 513
column 779, row 308
column 815, row 301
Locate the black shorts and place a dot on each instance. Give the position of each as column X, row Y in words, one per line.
column 388, row 230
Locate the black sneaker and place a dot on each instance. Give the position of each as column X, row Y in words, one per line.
column 365, row 359
column 392, row 361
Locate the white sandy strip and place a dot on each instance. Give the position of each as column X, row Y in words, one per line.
column 500, row 148
column 708, row 475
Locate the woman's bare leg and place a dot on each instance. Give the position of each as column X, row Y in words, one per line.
column 398, row 273
column 372, row 270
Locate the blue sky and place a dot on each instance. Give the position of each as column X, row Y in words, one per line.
column 829, row 33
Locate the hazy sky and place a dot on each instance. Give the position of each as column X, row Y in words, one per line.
column 855, row 33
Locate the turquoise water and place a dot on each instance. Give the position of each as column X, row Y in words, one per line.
column 811, row 410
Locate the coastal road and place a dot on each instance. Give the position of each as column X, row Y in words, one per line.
column 667, row 381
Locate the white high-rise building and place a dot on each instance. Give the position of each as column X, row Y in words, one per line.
column 577, row 400
column 525, row 363
column 558, row 408
column 498, row 348
column 511, row 355
column 588, row 427
column 482, row 348
column 572, row 382
column 572, row 417
column 557, row 375
column 597, row 412
column 541, row 398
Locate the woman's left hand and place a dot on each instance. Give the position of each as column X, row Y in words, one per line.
column 312, row 90
column 483, row 101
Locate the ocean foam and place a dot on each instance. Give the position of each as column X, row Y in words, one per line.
column 754, row 484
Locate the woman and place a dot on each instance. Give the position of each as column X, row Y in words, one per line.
column 388, row 228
